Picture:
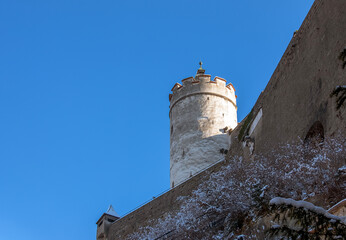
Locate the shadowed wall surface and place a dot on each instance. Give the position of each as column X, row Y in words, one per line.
column 298, row 94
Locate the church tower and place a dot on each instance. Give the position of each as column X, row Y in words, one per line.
column 201, row 110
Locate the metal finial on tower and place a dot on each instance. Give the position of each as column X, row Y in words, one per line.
column 200, row 65
column 200, row 70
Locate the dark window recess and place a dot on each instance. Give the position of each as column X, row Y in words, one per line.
column 315, row 135
column 223, row 151
column 171, row 129
column 110, row 220
column 207, row 98
column 342, row 58
column 100, row 223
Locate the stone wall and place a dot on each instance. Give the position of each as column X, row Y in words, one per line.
column 157, row 207
column 298, row 93
column 297, row 96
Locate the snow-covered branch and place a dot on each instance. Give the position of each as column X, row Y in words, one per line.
column 241, row 190
column 304, row 220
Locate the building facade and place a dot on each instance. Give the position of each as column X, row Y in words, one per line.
column 297, row 103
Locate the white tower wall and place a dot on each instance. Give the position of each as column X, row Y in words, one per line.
column 199, row 110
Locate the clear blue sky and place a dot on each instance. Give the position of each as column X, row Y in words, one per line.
column 84, row 97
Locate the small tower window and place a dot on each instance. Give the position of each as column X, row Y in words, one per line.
column 172, row 129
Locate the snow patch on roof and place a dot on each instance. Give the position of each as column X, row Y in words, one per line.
column 342, row 169
column 112, row 212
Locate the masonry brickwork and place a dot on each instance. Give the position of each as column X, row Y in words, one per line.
column 298, row 93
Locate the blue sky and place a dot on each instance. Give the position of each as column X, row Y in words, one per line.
column 84, row 97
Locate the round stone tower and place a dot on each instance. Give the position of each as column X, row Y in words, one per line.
column 201, row 110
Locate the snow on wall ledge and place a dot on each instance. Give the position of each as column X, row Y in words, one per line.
column 308, row 206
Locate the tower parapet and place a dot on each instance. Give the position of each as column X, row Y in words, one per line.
column 199, row 109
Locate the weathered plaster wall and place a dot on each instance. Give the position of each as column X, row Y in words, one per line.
column 296, row 96
column 199, row 111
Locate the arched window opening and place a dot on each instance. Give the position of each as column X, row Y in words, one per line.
column 315, row 135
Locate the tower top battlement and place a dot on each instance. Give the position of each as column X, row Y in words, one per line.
column 202, row 84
